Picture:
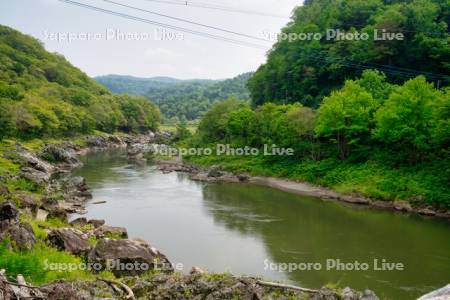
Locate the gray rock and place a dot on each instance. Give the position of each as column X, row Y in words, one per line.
column 57, row 153
column 127, row 253
column 96, row 222
column 23, row 236
column 34, row 175
column 8, row 211
column 214, row 171
column 349, row 294
column 369, row 295
column 440, row 294
column 69, row 239
column 109, row 231
column 97, row 141
column 79, row 222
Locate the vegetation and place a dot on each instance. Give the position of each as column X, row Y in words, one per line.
column 306, row 71
column 42, row 95
column 370, row 137
column 180, row 100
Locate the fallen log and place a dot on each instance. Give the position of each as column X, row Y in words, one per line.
column 285, row 286
column 126, row 288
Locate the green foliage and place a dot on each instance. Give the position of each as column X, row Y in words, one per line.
column 42, row 95
column 410, row 116
column 180, row 100
column 346, row 117
column 305, row 71
column 392, row 141
column 32, row 264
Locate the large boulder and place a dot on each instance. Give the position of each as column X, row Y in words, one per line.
column 36, row 176
column 57, row 153
column 70, row 240
column 97, row 142
column 440, row 294
column 8, row 211
column 128, row 257
column 23, row 236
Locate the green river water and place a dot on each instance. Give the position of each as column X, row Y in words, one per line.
column 254, row 230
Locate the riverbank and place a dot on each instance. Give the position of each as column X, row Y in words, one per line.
column 214, row 173
column 38, row 193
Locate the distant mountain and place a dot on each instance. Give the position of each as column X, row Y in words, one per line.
column 179, row 99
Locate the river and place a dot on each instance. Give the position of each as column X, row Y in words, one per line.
column 255, row 230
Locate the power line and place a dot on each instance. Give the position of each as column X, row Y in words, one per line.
column 219, row 7
column 182, row 29
column 186, row 21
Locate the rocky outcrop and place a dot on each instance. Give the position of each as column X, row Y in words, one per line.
column 21, row 234
column 62, row 154
column 70, row 240
column 440, row 294
column 96, row 222
column 128, row 257
column 111, row 231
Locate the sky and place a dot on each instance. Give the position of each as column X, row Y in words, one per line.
column 103, row 44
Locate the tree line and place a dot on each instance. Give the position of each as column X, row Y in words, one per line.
column 41, row 94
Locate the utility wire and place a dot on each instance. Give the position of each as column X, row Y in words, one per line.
column 187, row 21
column 182, row 29
column 218, row 7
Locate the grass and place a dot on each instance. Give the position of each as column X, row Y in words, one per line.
column 42, row 264
column 425, row 184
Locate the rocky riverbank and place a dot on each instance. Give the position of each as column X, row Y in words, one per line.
column 215, row 174
column 59, row 194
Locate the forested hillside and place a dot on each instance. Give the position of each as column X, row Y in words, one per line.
column 364, row 117
column 307, row 70
column 180, row 99
column 41, row 94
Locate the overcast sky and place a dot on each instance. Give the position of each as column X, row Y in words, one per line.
column 179, row 54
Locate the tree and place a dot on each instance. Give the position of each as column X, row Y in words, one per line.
column 407, row 119
column 346, row 117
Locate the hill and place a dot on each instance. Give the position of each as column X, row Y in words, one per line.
column 42, row 94
column 307, row 69
column 179, row 99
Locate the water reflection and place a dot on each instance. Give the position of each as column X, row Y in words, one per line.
column 236, row 227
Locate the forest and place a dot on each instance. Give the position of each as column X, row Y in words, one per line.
column 363, row 117
column 306, row 71
column 180, row 100
column 41, row 94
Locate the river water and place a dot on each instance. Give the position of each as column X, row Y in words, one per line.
column 254, row 230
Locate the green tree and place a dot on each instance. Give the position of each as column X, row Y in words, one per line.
column 407, row 119
column 346, row 117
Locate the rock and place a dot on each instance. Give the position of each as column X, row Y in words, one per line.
column 440, row 294
column 41, row 215
column 36, row 176
column 196, row 270
column 56, row 153
column 32, row 161
column 23, row 236
column 27, row 201
column 349, row 294
column 214, row 171
column 79, row 222
column 403, row 206
column 243, row 177
column 325, row 294
column 116, row 254
column 111, row 231
column 97, row 141
column 8, row 212
column 69, row 239
column 369, row 295
column 96, row 223
column 427, row 211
